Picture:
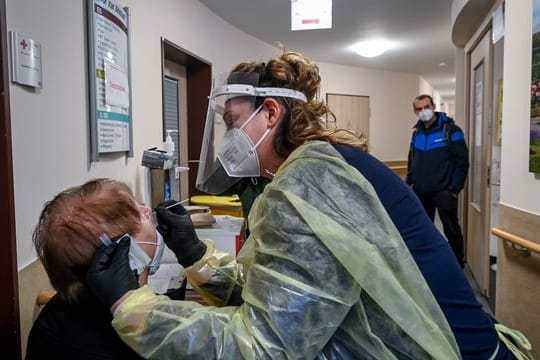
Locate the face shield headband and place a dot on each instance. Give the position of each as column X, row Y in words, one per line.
column 237, row 90
column 212, row 176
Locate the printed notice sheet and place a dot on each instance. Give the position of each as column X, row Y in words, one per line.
column 111, row 56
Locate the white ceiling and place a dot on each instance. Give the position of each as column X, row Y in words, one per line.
column 421, row 28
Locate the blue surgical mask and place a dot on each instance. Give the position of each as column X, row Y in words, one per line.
column 138, row 258
column 153, row 264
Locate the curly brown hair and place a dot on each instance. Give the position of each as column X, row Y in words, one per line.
column 67, row 234
column 303, row 121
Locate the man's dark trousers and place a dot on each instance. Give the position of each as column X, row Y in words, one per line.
column 446, row 204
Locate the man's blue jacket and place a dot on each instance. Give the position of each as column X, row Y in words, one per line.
column 438, row 157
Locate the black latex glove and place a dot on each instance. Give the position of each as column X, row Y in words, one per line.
column 109, row 276
column 179, row 233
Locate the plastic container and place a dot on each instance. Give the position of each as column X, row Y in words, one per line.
column 220, row 205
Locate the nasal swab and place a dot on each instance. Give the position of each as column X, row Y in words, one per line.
column 170, row 206
column 105, row 239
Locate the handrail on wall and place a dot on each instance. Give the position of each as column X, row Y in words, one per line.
column 398, row 167
column 517, row 240
column 44, row 296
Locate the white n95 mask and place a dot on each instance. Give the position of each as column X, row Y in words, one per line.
column 223, row 162
column 425, row 115
column 238, row 154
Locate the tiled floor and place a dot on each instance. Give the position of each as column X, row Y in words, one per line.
column 481, row 298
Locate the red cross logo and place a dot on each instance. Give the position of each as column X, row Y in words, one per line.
column 24, row 44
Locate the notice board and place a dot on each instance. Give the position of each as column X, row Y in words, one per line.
column 109, row 78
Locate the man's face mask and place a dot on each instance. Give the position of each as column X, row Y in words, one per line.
column 238, row 154
column 425, row 115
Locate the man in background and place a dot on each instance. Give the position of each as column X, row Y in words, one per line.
column 437, row 167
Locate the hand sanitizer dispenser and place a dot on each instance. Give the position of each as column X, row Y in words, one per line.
column 160, row 173
column 168, row 145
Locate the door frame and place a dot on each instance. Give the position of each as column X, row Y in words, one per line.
column 198, row 87
column 9, row 285
column 483, row 283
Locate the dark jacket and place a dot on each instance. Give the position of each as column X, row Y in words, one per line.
column 247, row 190
column 473, row 328
column 76, row 330
column 438, row 157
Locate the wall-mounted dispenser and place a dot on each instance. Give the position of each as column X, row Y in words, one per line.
column 157, row 164
column 162, row 172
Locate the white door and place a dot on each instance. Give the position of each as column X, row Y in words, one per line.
column 175, row 118
column 352, row 112
column 477, row 248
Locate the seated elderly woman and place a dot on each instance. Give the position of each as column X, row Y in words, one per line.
column 74, row 324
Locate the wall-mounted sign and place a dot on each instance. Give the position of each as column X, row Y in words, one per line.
column 116, row 86
column 311, row 14
column 25, row 60
column 109, row 78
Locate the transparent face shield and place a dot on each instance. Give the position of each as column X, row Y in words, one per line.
column 212, row 177
column 231, row 106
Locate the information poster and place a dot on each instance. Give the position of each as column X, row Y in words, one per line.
column 110, row 78
column 311, row 14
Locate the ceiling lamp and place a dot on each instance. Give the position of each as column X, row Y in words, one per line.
column 371, row 48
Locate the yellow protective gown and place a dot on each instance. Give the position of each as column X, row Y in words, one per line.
column 325, row 275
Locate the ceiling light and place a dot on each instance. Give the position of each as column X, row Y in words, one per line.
column 371, row 48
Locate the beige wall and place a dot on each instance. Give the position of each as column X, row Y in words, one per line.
column 516, row 117
column 426, row 88
column 447, row 106
column 460, row 108
column 518, row 276
column 32, row 280
column 390, row 96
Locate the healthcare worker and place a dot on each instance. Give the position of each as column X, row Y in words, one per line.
column 324, row 273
